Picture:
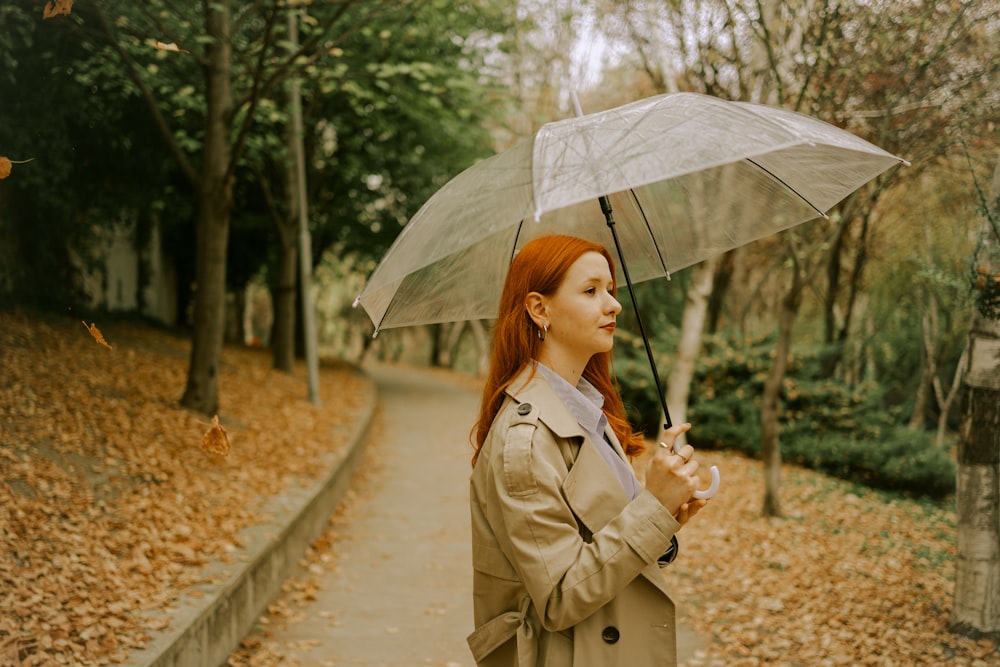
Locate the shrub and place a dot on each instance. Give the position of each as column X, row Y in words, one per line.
column 844, row 431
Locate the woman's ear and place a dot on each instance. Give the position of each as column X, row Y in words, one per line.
column 534, row 303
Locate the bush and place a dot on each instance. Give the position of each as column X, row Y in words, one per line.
column 843, row 431
column 900, row 460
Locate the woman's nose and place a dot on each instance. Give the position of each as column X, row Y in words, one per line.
column 614, row 307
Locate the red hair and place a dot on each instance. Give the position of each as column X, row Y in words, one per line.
column 540, row 266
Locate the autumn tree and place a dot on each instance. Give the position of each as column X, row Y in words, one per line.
column 896, row 89
column 977, row 573
column 904, row 89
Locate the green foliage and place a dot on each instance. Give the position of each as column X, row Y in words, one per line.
column 841, row 430
column 899, row 460
column 396, row 99
column 86, row 169
column 398, row 108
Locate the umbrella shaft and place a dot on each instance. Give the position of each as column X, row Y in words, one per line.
column 610, row 219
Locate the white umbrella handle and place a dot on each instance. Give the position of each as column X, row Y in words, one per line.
column 714, row 471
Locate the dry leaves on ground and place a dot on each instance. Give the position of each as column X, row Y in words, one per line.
column 109, row 507
column 848, row 577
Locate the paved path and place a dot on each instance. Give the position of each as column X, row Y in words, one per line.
column 400, row 592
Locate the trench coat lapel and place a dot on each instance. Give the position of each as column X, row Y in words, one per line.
column 592, row 489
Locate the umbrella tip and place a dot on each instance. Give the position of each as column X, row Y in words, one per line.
column 357, row 301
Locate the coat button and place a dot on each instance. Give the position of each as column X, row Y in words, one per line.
column 610, row 634
column 524, row 409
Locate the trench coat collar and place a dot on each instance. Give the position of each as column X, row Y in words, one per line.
column 592, row 489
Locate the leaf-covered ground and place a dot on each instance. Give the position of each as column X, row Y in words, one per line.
column 848, row 576
column 109, row 508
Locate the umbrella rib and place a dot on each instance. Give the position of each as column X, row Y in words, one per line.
column 649, row 230
column 513, row 246
column 787, row 186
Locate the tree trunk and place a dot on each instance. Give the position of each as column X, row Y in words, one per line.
column 214, row 200
column 283, row 338
column 482, row 347
column 977, row 568
column 446, row 352
column 724, row 270
column 770, row 449
column 956, row 384
column 836, row 334
column 437, row 333
column 283, row 331
column 692, row 324
column 928, row 364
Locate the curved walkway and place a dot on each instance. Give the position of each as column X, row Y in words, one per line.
column 401, row 592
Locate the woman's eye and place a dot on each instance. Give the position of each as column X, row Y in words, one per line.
column 591, row 290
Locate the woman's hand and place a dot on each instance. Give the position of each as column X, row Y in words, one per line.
column 673, row 477
column 688, row 510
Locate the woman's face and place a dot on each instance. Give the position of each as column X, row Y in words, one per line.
column 581, row 313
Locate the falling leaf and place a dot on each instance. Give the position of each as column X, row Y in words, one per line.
column 172, row 46
column 57, row 7
column 215, row 440
column 6, row 166
column 96, row 333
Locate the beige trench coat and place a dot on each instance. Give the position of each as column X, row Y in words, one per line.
column 564, row 566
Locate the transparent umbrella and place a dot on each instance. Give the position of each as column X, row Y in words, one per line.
column 680, row 177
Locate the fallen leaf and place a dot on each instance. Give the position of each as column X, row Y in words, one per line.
column 57, row 7
column 96, row 333
column 215, row 441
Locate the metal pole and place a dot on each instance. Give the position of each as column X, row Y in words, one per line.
column 305, row 243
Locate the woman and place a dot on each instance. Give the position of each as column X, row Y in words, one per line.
column 567, row 541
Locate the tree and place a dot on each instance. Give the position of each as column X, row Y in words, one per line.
column 242, row 61
column 87, row 173
column 977, row 577
column 847, row 63
column 406, row 107
column 874, row 84
column 137, row 37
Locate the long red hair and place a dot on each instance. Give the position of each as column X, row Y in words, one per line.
column 540, row 266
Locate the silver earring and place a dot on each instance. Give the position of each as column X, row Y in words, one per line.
column 543, row 331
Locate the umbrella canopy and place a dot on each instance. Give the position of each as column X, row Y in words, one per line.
column 688, row 176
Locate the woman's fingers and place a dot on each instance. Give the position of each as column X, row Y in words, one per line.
column 670, row 435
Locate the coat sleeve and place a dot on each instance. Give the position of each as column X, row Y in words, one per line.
column 567, row 577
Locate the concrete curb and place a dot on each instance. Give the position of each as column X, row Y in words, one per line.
column 207, row 627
